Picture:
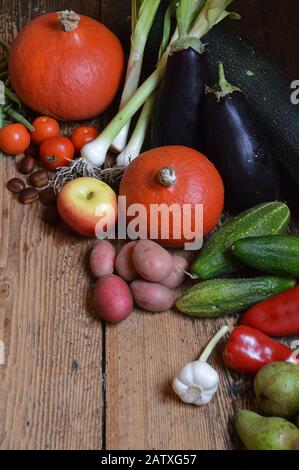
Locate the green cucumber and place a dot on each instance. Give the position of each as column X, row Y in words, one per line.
column 216, row 259
column 274, row 255
column 223, row 296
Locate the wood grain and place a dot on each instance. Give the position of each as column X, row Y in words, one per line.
column 51, row 385
column 57, row 355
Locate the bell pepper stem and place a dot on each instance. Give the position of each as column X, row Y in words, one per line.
column 213, row 343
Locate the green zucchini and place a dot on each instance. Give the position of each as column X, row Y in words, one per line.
column 216, row 259
column 223, row 296
column 274, row 255
column 268, row 92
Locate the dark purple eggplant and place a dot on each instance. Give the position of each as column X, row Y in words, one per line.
column 238, row 148
column 177, row 117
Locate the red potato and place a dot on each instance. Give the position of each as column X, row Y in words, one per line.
column 152, row 297
column 152, row 262
column 124, row 263
column 112, row 299
column 102, row 259
column 177, row 276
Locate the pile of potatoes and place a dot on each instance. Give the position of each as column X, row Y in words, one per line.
column 146, row 273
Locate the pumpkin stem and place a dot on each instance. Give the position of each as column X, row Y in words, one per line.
column 69, row 20
column 167, row 176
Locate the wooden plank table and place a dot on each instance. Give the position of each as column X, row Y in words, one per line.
column 70, row 382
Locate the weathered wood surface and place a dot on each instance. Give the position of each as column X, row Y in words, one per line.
column 57, row 354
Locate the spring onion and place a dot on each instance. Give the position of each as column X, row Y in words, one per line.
column 93, row 155
column 136, row 142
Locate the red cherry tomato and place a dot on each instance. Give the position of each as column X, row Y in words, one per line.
column 45, row 127
column 14, row 139
column 82, row 136
column 56, row 152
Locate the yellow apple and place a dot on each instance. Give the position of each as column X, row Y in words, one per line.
column 84, row 202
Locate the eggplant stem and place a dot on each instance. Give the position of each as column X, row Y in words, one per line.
column 223, row 83
column 213, row 343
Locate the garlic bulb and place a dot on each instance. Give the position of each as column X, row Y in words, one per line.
column 198, row 382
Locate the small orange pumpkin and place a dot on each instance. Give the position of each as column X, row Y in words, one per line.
column 66, row 66
column 174, row 175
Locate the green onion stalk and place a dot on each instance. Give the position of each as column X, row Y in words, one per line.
column 7, row 97
column 93, row 155
column 134, row 146
column 136, row 142
column 143, row 15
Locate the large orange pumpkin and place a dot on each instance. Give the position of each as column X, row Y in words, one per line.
column 174, row 175
column 66, row 66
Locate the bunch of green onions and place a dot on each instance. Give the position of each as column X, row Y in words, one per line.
column 197, row 17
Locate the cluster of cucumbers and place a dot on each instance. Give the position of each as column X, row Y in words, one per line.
column 256, row 238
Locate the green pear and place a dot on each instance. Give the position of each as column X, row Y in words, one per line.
column 259, row 433
column 276, row 388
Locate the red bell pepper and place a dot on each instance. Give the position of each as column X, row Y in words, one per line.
column 248, row 350
column 277, row 316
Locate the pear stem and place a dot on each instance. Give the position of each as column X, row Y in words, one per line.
column 213, row 343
